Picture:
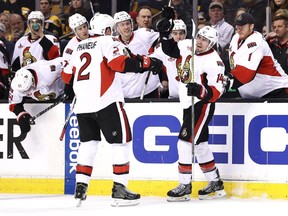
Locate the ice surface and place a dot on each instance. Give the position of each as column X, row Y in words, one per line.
column 57, row 205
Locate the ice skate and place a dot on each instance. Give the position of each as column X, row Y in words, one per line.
column 214, row 190
column 80, row 193
column 180, row 194
column 123, row 197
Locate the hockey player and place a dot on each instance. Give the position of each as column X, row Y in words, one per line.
column 254, row 71
column 92, row 70
column 80, row 27
column 204, row 82
column 36, row 45
column 142, row 42
column 178, row 33
column 40, row 81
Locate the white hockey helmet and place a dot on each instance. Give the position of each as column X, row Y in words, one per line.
column 122, row 16
column 179, row 25
column 209, row 33
column 100, row 22
column 76, row 20
column 36, row 15
column 23, row 80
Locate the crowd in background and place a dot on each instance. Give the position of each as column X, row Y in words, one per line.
column 14, row 13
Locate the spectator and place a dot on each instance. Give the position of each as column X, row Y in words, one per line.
column 217, row 21
column 278, row 4
column 52, row 22
column 5, row 19
column 22, row 7
column 255, row 73
column 77, row 6
column 278, row 39
column 144, row 17
column 141, row 42
column 36, row 45
column 4, row 71
column 8, row 44
column 4, row 7
column 238, row 12
column 40, row 81
column 17, row 27
column 257, row 8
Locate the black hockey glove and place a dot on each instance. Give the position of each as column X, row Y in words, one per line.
column 164, row 27
column 149, row 64
column 168, row 13
column 68, row 93
column 195, row 89
column 23, row 120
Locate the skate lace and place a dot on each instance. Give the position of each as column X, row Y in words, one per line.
column 179, row 188
column 212, row 186
column 208, row 187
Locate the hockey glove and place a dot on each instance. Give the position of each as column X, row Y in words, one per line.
column 228, row 81
column 23, row 120
column 68, row 93
column 164, row 27
column 168, row 13
column 149, row 64
column 195, row 89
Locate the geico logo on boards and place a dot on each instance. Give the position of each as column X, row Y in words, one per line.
column 74, row 143
column 155, row 138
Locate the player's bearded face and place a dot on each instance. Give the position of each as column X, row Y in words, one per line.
column 244, row 31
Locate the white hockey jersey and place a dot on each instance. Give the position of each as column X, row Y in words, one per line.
column 30, row 51
column 94, row 63
column 132, row 83
column 254, row 65
column 205, row 63
column 49, row 84
column 73, row 42
column 171, row 70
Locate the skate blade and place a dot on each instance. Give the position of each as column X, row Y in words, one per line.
column 79, row 202
column 221, row 194
column 122, row 203
column 184, row 198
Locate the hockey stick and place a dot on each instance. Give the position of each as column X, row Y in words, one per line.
column 92, row 7
column 67, row 119
column 192, row 98
column 32, row 119
column 66, row 35
column 145, row 85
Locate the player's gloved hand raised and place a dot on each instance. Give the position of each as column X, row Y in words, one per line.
column 164, row 27
column 23, row 120
column 168, row 13
column 195, row 89
column 150, row 64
